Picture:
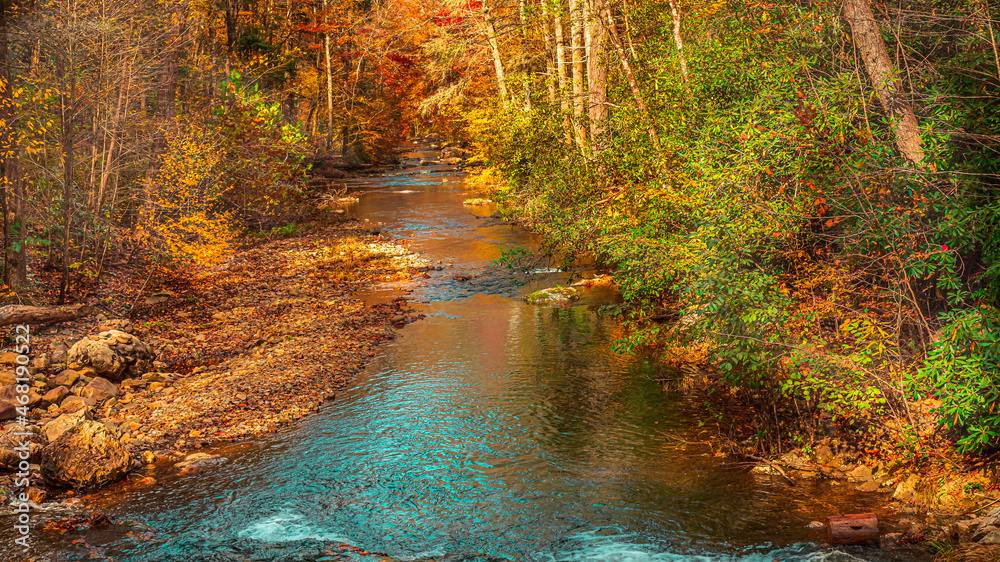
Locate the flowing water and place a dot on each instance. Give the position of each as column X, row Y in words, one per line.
column 490, row 430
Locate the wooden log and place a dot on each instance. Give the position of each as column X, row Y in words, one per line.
column 856, row 528
column 20, row 314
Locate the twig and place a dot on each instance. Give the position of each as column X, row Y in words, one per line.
column 772, row 465
column 982, row 507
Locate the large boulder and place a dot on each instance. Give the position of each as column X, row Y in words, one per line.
column 113, row 355
column 86, row 456
column 59, row 426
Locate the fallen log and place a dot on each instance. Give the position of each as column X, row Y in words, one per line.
column 856, row 528
column 20, row 314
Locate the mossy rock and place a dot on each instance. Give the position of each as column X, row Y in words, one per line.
column 553, row 294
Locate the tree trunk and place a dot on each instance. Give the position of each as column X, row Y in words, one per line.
column 525, row 56
column 67, row 102
column 15, row 271
column 494, row 42
column 561, row 62
column 633, row 84
column 232, row 19
column 680, row 45
column 597, row 76
column 19, row 314
column 121, row 108
column 550, row 58
column 166, row 111
column 858, row 528
column 883, row 75
column 577, row 55
column 329, row 86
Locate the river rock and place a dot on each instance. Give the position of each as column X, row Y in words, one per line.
column 8, row 378
column 869, row 486
column 9, row 401
column 99, row 389
column 824, row 454
column 454, row 152
column 113, row 355
column 66, row 378
column 553, row 294
column 11, row 442
column 88, row 455
column 200, row 461
column 57, row 427
column 992, row 537
column 906, row 491
column 54, row 396
column 73, row 404
column 861, row 473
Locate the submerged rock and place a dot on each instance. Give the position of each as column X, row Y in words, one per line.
column 87, row 455
column 553, row 294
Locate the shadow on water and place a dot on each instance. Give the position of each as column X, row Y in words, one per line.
column 491, row 430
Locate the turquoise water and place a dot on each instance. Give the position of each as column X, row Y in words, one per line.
column 490, row 430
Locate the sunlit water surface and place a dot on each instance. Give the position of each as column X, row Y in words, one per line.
column 489, row 430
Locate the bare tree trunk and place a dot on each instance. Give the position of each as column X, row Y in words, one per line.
column 494, row 42
column 680, row 44
column 523, row 63
column 19, row 314
column 329, row 86
column 633, row 84
column 166, row 111
column 67, row 102
column 564, row 91
column 883, row 75
column 550, row 58
column 124, row 89
column 597, row 75
column 577, row 54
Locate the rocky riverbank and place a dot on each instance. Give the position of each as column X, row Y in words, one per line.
column 258, row 341
column 944, row 500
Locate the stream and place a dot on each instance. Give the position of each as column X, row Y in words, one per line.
column 490, row 430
